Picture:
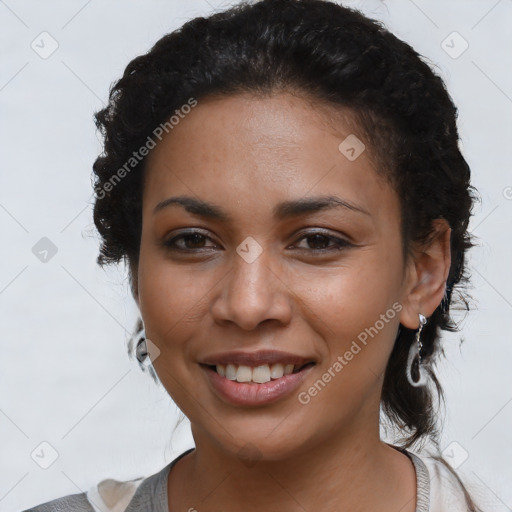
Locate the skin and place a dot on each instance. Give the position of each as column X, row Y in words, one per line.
column 247, row 154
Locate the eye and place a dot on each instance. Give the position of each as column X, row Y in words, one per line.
column 320, row 241
column 316, row 242
column 189, row 241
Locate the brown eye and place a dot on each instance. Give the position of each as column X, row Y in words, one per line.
column 322, row 242
column 189, row 241
column 318, row 241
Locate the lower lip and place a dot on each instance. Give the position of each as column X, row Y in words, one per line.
column 251, row 393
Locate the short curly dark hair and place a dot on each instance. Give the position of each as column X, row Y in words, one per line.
column 337, row 56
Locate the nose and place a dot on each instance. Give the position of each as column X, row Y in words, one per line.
column 252, row 293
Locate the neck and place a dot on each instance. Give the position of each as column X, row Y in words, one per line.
column 353, row 472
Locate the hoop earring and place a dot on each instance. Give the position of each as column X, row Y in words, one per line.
column 141, row 351
column 415, row 371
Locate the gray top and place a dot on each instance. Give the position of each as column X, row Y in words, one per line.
column 151, row 494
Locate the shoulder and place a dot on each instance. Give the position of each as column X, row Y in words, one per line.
column 107, row 496
column 440, row 482
column 71, row 503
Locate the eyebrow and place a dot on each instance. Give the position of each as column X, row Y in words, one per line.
column 281, row 211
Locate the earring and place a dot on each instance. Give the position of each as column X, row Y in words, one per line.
column 141, row 351
column 416, row 373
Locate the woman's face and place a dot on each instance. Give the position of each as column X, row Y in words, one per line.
column 280, row 241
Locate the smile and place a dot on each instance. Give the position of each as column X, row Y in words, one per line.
column 250, row 393
column 258, row 374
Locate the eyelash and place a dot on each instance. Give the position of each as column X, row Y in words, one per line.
column 340, row 243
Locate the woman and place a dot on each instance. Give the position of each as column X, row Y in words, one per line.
column 285, row 183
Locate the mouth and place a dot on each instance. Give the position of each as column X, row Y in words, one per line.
column 260, row 374
column 249, row 379
column 242, row 385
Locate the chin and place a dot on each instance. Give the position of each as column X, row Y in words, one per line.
column 262, row 442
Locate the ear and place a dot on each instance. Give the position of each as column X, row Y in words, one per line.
column 134, row 283
column 426, row 275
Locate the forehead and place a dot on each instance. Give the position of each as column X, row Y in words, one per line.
column 264, row 149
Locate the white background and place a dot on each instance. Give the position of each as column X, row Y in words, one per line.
column 65, row 377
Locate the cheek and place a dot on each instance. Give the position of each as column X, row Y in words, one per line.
column 358, row 331
column 171, row 299
column 349, row 298
column 354, row 309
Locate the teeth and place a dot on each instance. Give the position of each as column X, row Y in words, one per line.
column 277, row 371
column 260, row 374
column 231, row 372
column 244, row 374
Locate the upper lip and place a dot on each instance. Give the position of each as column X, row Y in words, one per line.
column 256, row 358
